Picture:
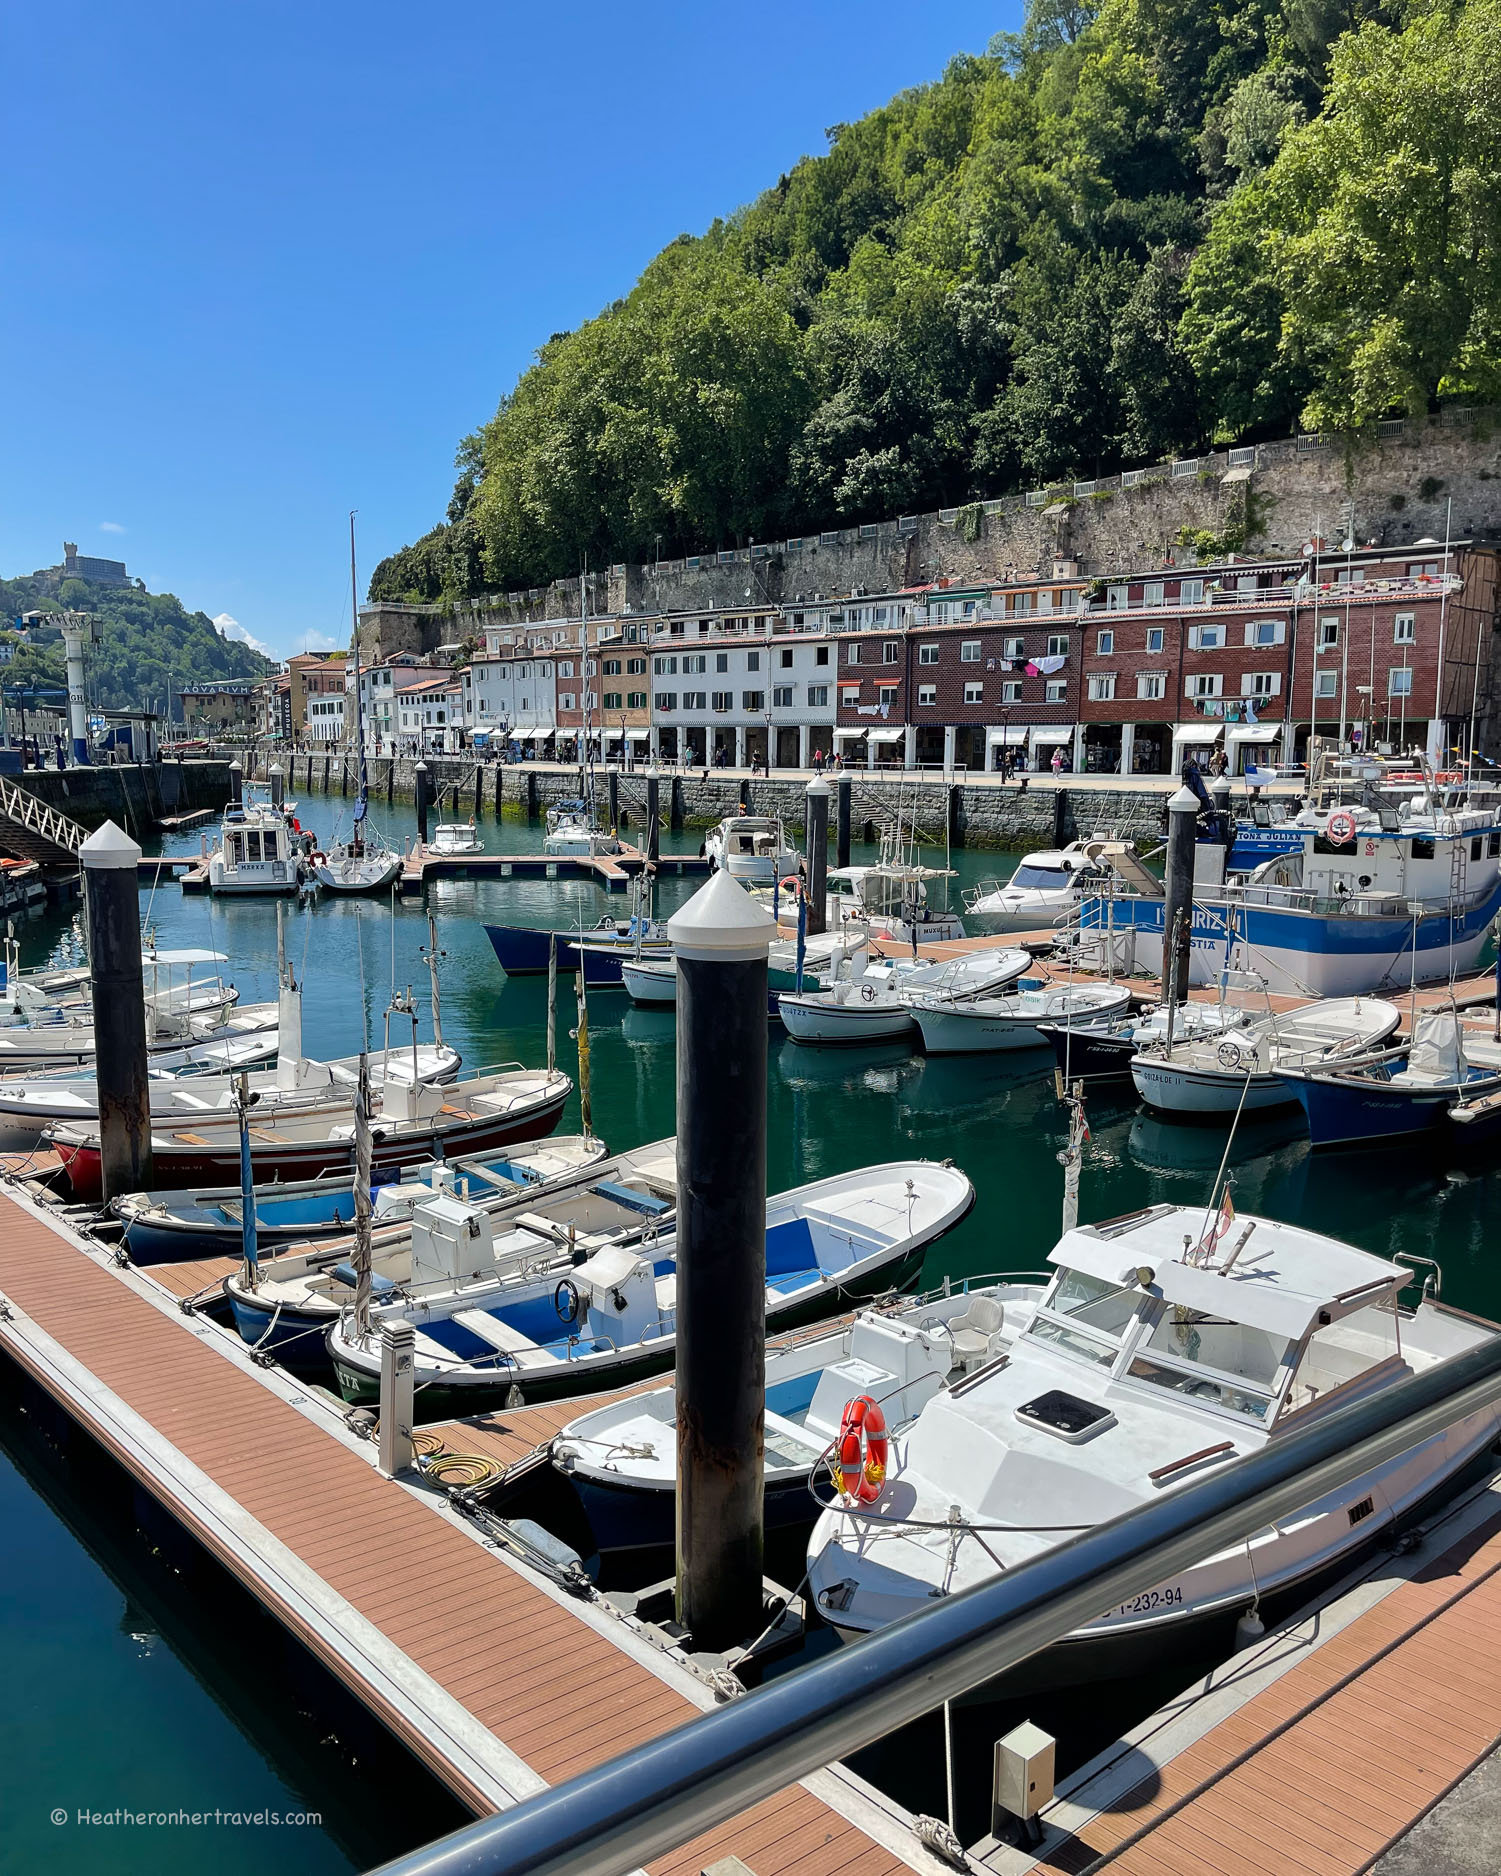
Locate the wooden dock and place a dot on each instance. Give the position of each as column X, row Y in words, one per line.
column 495, row 1679
column 1314, row 1752
column 613, row 871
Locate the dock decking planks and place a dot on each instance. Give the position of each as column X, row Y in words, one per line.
column 464, row 1617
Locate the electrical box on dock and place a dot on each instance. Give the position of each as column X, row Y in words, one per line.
column 1023, row 1774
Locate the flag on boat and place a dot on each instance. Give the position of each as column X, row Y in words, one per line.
column 1218, row 1229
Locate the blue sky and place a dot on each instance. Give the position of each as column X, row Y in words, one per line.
column 267, row 263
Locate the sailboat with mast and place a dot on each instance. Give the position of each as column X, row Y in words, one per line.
column 573, row 831
column 365, row 862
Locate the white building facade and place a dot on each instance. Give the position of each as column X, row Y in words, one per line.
column 510, row 694
column 743, row 689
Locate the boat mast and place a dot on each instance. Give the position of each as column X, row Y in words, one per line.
column 363, row 798
column 586, row 758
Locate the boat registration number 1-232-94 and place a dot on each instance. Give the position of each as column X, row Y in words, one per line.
column 1150, row 1599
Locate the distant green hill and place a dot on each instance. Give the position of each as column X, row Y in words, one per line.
column 149, row 638
column 1137, row 226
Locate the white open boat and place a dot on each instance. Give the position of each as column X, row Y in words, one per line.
column 1222, row 1074
column 870, row 1003
column 1161, row 1350
column 981, row 1025
column 612, row 1319
column 622, row 1457
column 259, row 851
column 752, row 848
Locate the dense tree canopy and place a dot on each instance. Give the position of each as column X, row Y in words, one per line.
column 1129, row 229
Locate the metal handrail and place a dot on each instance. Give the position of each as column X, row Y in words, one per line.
column 28, row 810
column 620, row 1815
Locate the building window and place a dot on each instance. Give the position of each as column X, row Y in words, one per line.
column 635, row 667
column 721, row 661
column 612, row 700
column 1404, row 628
column 565, row 669
column 753, row 700
column 695, row 699
column 1328, row 633
column 781, row 697
column 1206, row 637
column 694, row 664
column 753, row 661
column 891, row 650
column 1056, row 691
column 1326, row 683
column 1151, row 593
column 927, row 654
column 1203, row 684
column 724, row 700
column 1151, row 684
column 818, row 696
column 1023, row 602
column 785, row 657
column 969, row 651
column 852, row 652
column 1399, row 681
column 1265, row 632
column 667, row 700
column 1154, row 638
column 927, row 695
column 635, row 700
column 1190, row 592
column 820, row 654
column 849, row 697
column 1013, row 648
column 886, row 695
column 612, row 667
column 974, row 693
column 1011, row 692
column 1058, row 645
column 667, row 667
column 1260, row 684
column 566, row 701
column 1118, row 598
column 1102, row 687
column 1104, row 644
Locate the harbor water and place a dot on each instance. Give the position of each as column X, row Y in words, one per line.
column 122, row 1690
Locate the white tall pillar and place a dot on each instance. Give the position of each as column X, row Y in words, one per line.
column 950, row 735
column 655, row 745
column 909, row 746
column 803, row 752
column 73, row 637
column 1128, row 746
column 1078, row 749
column 740, row 746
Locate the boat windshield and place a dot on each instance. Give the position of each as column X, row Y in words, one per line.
column 1085, row 1317
column 1040, row 878
column 1220, row 1363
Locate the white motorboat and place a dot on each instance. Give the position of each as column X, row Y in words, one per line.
column 622, row 1457
column 891, row 900
column 752, row 848
column 869, row 1002
column 980, row 1025
column 1223, row 1074
column 1163, row 1349
column 259, row 851
column 452, row 840
column 572, row 834
column 1044, row 889
column 1108, row 1048
column 612, row 1318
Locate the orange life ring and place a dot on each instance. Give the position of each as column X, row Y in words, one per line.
column 862, row 1450
column 791, row 885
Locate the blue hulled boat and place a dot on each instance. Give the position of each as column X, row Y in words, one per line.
column 1400, row 1092
column 524, row 950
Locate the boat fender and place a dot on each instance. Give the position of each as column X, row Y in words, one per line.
column 566, row 1300
column 862, row 1450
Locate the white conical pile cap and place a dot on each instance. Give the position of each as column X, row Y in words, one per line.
column 818, row 786
column 721, row 920
column 1183, row 801
column 110, row 848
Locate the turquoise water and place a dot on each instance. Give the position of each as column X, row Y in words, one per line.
column 174, row 1719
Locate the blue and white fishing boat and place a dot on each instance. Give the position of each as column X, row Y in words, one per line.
column 611, row 1317
column 1378, row 895
column 1401, row 1091
column 525, row 950
column 622, row 1457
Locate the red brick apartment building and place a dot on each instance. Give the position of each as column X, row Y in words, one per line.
column 1256, row 657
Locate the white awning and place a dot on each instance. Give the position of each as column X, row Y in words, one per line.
column 1203, row 730
column 569, row 736
column 1013, row 733
column 521, row 731
column 1253, row 733
column 638, row 736
column 851, row 733
column 886, row 736
column 1050, row 733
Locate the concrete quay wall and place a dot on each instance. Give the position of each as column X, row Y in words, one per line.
column 135, row 796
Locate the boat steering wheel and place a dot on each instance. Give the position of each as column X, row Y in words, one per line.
column 567, row 1293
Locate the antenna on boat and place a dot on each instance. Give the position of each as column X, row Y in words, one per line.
column 362, row 798
column 363, row 1156
column 581, row 1036
column 432, row 954
column 1073, row 1152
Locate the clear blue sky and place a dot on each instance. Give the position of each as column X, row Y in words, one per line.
column 269, row 262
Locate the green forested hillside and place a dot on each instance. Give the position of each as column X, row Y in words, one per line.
column 1117, row 235
column 147, row 638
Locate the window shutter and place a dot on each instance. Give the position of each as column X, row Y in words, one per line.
column 1193, row 638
